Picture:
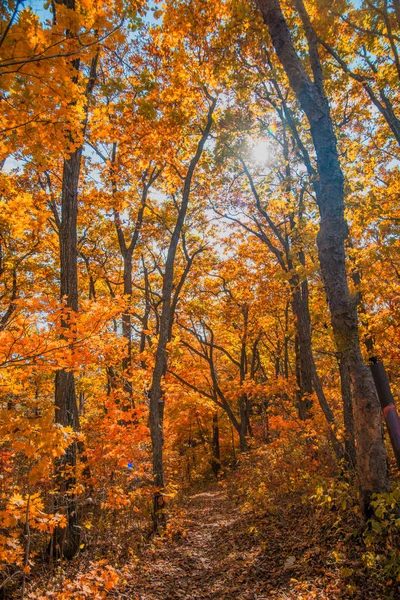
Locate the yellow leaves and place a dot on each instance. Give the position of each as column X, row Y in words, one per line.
column 95, row 581
column 19, row 212
column 31, row 431
column 171, row 491
column 45, row 108
column 11, row 551
column 20, row 509
column 117, row 498
column 16, row 500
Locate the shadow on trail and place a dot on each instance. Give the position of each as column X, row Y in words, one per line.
column 218, row 553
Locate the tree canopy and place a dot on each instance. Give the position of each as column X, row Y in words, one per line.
column 199, row 261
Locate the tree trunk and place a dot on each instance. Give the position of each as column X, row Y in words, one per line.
column 127, row 330
column 234, row 457
column 371, row 454
column 304, row 375
column 350, row 449
column 243, row 399
column 216, row 453
column 243, row 425
column 155, row 394
column 127, row 249
column 66, row 541
column 309, row 378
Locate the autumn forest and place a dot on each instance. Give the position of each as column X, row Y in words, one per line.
column 199, row 299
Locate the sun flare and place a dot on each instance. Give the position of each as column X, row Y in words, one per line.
column 261, row 152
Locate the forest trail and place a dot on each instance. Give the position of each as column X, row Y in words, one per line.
column 219, row 554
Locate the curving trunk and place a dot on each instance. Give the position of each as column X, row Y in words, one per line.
column 371, row 454
column 156, row 399
column 216, row 452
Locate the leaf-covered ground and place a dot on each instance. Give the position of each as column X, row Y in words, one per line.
column 213, row 551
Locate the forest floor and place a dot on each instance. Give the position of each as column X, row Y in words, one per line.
column 214, row 551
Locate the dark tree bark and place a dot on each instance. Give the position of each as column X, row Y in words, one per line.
column 161, row 360
column 350, row 448
column 371, row 454
column 127, row 249
column 66, row 541
column 280, row 245
column 304, row 375
column 6, row 316
column 301, row 310
column 216, row 452
column 244, row 404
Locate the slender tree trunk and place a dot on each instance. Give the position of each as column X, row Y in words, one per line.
column 216, row 452
column 243, row 425
column 243, row 400
column 155, row 394
column 302, row 350
column 350, row 448
column 146, row 315
column 126, row 317
column 234, row 457
column 278, row 361
column 371, row 454
column 127, row 249
column 308, row 370
column 127, row 328
column 286, row 361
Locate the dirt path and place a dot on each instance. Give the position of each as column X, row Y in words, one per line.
column 189, row 565
column 192, row 567
column 217, row 558
column 225, row 555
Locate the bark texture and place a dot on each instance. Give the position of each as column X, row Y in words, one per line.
column 66, row 541
column 371, row 454
column 279, row 244
column 350, row 448
column 216, row 452
column 166, row 317
column 127, row 248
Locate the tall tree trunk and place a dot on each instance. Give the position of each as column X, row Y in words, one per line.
column 286, row 339
column 308, row 371
column 243, row 425
column 345, row 383
column 216, row 452
column 371, row 454
column 243, row 399
column 155, row 394
column 127, row 330
column 304, row 374
column 127, row 249
column 66, row 541
column 126, row 317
